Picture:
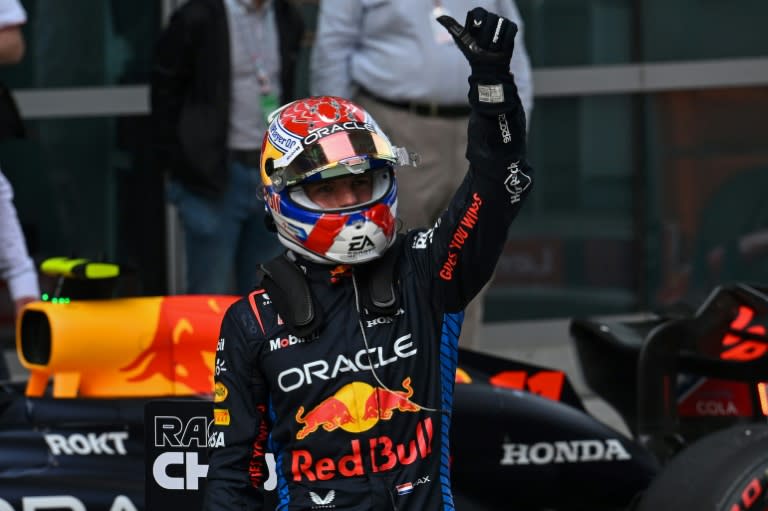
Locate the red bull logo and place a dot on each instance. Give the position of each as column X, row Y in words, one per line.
column 383, row 402
column 158, row 346
column 379, row 454
column 184, row 343
column 356, row 407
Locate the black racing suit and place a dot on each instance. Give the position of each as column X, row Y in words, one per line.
column 341, row 440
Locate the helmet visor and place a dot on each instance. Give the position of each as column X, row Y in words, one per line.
column 345, row 152
column 381, row 183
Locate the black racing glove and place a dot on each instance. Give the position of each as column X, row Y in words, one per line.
column 487, row 41
column 497, row 127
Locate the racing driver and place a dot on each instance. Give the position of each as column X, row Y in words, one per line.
column 341, row 362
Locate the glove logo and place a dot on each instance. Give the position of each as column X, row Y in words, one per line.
column 498, row 30
column 490, row 93
column 506, row 136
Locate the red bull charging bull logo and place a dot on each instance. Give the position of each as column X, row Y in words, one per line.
column 184, row 342
column 356, row 407
column 155, row 346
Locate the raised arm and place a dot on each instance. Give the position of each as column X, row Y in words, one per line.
column 466, row 242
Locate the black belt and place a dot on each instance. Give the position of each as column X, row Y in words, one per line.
column 425, row 109
column 248, row 157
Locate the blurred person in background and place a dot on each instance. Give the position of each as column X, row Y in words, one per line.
column 12, row 17
column 221, row 66
column 412, row 81
column 16, row 266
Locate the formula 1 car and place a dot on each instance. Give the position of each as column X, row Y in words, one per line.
column 115, row 413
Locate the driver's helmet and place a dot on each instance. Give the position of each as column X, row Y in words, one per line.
column 319, row 138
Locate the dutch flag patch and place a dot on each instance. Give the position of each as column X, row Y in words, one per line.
column 404, row 489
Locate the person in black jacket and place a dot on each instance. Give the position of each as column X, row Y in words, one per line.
column 220, row 67
column 342, row 361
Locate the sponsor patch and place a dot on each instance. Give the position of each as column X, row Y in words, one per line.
column 285, row 141
column 323, row 502
column 217, row 440
column 490, row 93
column 404, row 489
column 383, row 320
column 421, row 240
column 221, row 416
column 517, row 182
column 220, row 392
column 317, row 134
column 324, row 370
column 284, row 342
column 382, row 454
column 506, row 136
column 356, row 407
column 360, row 244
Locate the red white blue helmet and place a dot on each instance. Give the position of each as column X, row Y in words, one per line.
column 319, row 138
